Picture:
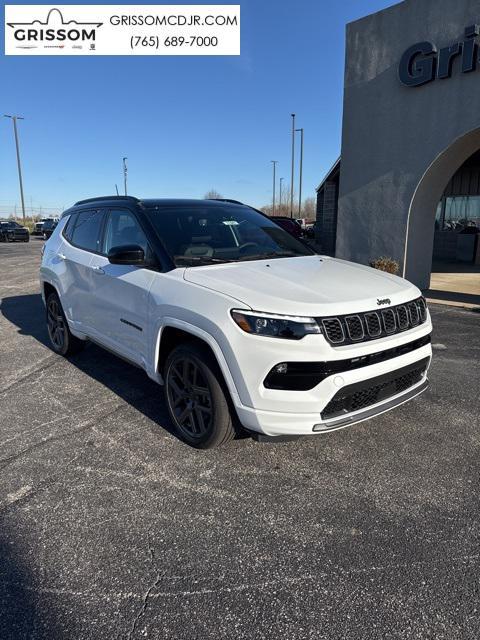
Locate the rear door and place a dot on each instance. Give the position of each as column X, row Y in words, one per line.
column 83, row 237
column 121, row 292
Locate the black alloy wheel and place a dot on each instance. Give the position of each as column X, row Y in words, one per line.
column 196, row 397
column 62, row 340
column 55, row 324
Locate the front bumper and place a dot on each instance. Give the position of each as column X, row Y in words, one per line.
column 281, row 412
column 18, row 237
column 272, row 423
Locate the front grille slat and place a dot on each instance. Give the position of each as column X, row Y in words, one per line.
column 389, row 322
column 413, row 313
column 370, row 325
column 402, row 317
column 374, row 326
column 333, row 329
column 354, row 327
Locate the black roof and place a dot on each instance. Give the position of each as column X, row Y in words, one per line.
column 157, row 202
column 165, row 202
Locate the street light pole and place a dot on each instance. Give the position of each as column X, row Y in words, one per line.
column 301, row 173
column 293, row 165
column 274, row 163
column 19, row 165
column 125, row 174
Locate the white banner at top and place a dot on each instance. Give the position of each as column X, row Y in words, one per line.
column 117, row 30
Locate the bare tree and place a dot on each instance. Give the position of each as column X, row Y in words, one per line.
column 212, row 194
column 309, row 208
column 283, row 208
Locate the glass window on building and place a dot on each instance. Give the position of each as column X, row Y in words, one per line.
column 457, row 212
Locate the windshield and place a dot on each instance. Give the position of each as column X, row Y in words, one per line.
column 211, row 234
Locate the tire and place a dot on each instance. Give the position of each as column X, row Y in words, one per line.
column 196, row 397
column 62, row 340
column 27, row 240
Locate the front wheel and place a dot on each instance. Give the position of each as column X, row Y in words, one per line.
column 196, row 397
column 62, row 340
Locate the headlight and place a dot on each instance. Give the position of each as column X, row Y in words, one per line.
column 274, row 326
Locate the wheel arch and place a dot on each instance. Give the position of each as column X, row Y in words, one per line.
column 175, row 332
column 47, row 289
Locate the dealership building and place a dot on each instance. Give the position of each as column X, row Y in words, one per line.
column 407, row 184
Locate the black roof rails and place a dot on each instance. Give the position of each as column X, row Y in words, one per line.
column 226, row 200
column 100, row 198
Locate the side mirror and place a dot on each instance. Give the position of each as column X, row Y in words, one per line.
column 130, row 254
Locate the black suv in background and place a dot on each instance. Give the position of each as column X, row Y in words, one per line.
column 48, row 228
column 11, row 231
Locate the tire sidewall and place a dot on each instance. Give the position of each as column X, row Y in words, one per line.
column 66, row 342
column 221, row 418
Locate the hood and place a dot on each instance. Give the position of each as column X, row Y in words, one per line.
column 307, row 286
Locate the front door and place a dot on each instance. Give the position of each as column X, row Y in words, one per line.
column 121, row 292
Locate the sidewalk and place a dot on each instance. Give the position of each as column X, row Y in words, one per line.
column 456, row 285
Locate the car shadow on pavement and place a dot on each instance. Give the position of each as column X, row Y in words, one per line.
column 17, row 604
column 27, row 312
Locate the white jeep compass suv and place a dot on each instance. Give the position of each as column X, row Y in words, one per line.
column 240, row 322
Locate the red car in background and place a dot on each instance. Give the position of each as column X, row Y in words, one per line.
column 289, row 224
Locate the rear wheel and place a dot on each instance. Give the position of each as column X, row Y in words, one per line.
column 196, row 398
column 62, row 340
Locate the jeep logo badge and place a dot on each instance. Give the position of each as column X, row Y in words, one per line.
column 383, row 301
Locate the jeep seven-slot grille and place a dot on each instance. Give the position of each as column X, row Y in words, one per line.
column 340, row 330
column 364, row 394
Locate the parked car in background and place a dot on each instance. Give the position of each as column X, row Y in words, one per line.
column 38, row 226
column 310, row 230
column 48, row 228
column 289, row 224
column 237, row 319
column 11, row 231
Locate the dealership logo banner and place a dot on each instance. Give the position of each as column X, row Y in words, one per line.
column 115, row 30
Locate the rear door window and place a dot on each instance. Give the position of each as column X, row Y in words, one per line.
column 68, row 229
column 87, row 231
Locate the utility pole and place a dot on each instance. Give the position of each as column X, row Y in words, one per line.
column 116, row 189
column 301, row 173
column 19, row 165
column 293, row 165
column 281, row 180
column 274, row 162
column 125, row 174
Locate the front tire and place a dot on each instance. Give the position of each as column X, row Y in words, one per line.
column 196, row 397
column 62, row 340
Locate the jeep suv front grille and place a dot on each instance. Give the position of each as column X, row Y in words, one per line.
column 341, row 330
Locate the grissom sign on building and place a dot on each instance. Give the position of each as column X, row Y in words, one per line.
column 422, row 62
column 122, row 30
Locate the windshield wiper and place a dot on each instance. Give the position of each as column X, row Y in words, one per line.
column 200, row 259
column 268, row 256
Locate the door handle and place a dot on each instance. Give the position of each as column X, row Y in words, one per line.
column 98, row 270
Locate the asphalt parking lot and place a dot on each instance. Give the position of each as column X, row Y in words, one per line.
column 112, row 528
